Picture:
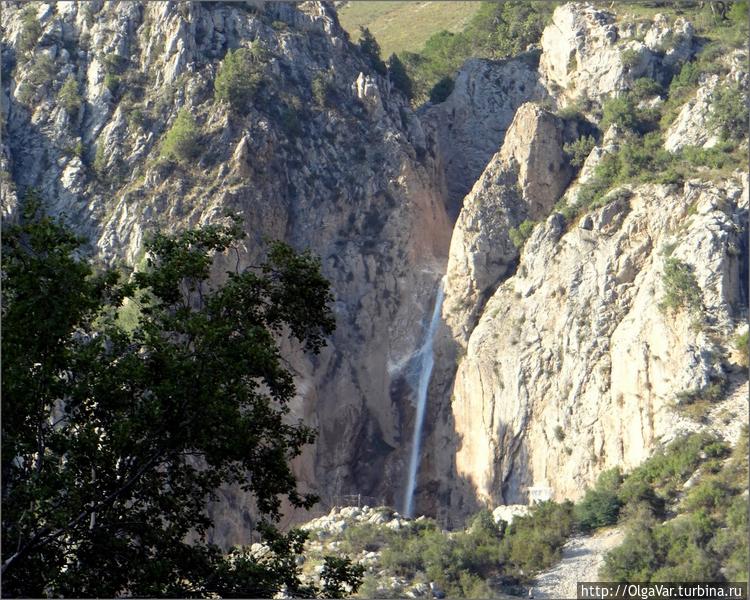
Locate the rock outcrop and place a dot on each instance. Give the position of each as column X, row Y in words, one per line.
column 522, row 181
column 692, row 127
column 588, row 56
column 574, row 367
column 470, row 125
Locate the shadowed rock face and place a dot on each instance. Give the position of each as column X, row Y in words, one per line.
column 470, row 125
column 565, row 333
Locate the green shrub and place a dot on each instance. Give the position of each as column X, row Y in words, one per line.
column 239, row 77
column 619, row 111
column 729, row 112
column 707, row 541
column 534, row 542
column 112, row 83
column 681, row 290
column 631, row 58
column 42, row 70
column 731, row 542
column 559, row 433
column 114, row 63
column 642, row 159
column 366, row 537
column 321, row 89
column 666, row 470
column 697, row 403
column 741, row 344
column 181, row 142
column 68, row 97
column 718, row 157
column 738, row 12
column 290, row 121
column 31, row 30
column 686, row 80
column 709, row 494
column 579, row 150
column 712, row 393
column 441, row 90
column 519, row 236
column 644, row 88
column 636, row 557
column 75, row 150
column 600, row 506
column 597, row 509
column 100, row 162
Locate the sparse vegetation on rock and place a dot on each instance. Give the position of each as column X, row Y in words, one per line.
column 239, row 77
column 69, row 97
column 182, row 142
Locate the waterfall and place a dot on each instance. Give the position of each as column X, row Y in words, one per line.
column 426, row 362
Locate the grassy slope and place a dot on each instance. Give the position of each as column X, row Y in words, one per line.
column 405, row 25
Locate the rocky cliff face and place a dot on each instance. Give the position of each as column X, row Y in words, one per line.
column 587, row 54
column 347, row 175
column 566, row 360
column 574, row 367
column 522, row 181
column 555, row 361
column 469, row 127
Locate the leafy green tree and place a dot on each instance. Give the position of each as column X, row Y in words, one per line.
column 681, row 289
column 114, row 441
column 579, row 150
column 181, row 142
column 239, row 78
column 31, row 30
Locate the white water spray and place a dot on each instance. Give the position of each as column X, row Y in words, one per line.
column 426, row 362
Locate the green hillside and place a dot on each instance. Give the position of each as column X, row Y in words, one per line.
column 400, row 25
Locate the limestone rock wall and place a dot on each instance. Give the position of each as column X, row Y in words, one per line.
column 558, row 360
column 574, row 367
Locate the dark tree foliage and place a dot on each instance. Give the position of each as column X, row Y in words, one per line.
column 113, row 441
column 399, row 77
column 371, row 49
column 441, row 90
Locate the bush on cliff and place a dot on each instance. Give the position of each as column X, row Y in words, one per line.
column 239, row 78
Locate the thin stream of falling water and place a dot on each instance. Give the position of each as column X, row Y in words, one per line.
column 426, row 363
